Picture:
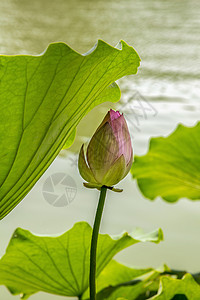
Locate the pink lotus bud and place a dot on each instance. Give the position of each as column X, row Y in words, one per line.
column 109, row 153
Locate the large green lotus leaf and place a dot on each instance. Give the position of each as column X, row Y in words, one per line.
column 171, row 287
column 171, row 168
column 42, row 100
column 59, row 265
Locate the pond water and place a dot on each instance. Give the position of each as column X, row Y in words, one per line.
column 164, row 93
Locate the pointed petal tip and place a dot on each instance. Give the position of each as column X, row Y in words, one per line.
column 114, row 114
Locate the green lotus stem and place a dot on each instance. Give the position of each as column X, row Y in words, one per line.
column 93, row 250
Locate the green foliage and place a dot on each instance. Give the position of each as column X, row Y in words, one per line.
column 60, row 265
column 115, row 273
column 42, row 100
column 112, row 277
column 171, row 287
column 117, row 280
column 171, row 168
column 120, row 282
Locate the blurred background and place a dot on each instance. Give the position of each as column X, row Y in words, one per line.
column 165, row 92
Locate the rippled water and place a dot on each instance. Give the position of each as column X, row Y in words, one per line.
column 166, row 36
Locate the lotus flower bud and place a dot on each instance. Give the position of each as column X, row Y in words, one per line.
column 109, row 154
